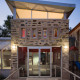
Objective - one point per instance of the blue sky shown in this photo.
(74, 18)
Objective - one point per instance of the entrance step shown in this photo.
(43, 79)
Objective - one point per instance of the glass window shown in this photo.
(39, 14)
(45, 32)
(23, 33)
(52, 15)
(34, 33)
(22, 61)
(23, 13)
(55, 32)
(45, 62)
(6, 59)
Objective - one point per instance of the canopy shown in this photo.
(39, 5)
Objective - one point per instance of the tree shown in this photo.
(7, 27)
(70, 29)
(7, 23)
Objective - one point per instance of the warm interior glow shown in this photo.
(23, 33)
(39, 14)
(55, 32)
(52, 15)
(23, 13)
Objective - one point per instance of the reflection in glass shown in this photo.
(45, 62)
(56, 61)
(33, 62)
(22, 61)
(6, 59)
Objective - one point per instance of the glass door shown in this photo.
(45, 62)
(33, 62)
(39, 61)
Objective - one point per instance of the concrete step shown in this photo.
(43, 78)
(36, 79)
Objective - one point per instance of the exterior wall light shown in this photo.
(13, 47)
(65, 47)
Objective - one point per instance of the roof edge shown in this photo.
(74, 28)
(46, 2)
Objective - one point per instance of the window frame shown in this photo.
(35, 33)
(46, 32)
(21, 32)
(53, 34)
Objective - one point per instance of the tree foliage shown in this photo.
(7, 22)
(7, 27)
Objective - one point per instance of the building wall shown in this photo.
(74, 34)
(50, 24)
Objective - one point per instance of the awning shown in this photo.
(39, 5)
(5, 45)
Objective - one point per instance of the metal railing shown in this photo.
(74, 75)
(10, 76)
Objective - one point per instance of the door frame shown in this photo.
(39, 48)
(50, 56)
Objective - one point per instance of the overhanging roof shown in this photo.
(41, 6)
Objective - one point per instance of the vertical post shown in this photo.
(14, 13)
(31, 14)
(1, 58)
(39, 61)
(74, 77)
(28, 63)
(55, 71)
(65, 16)
(61, 63)
(51, 62)
(47, 15)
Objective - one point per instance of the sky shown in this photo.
(74, 18)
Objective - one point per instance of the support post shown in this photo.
(47, 15)
(1, 58)
(61, 63)
(14, 13)
(65, 16)
(74, 77)
(31, 14)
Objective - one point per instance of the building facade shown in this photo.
(5, 56)
(75, 33)
(40, 39)
(75, 52)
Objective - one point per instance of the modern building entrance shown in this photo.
(38, 61)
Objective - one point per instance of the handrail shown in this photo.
(12, 73)
(74, 75)
(70, 72)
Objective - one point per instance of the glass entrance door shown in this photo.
(33, 62)
(45, 62)
(39, 61)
